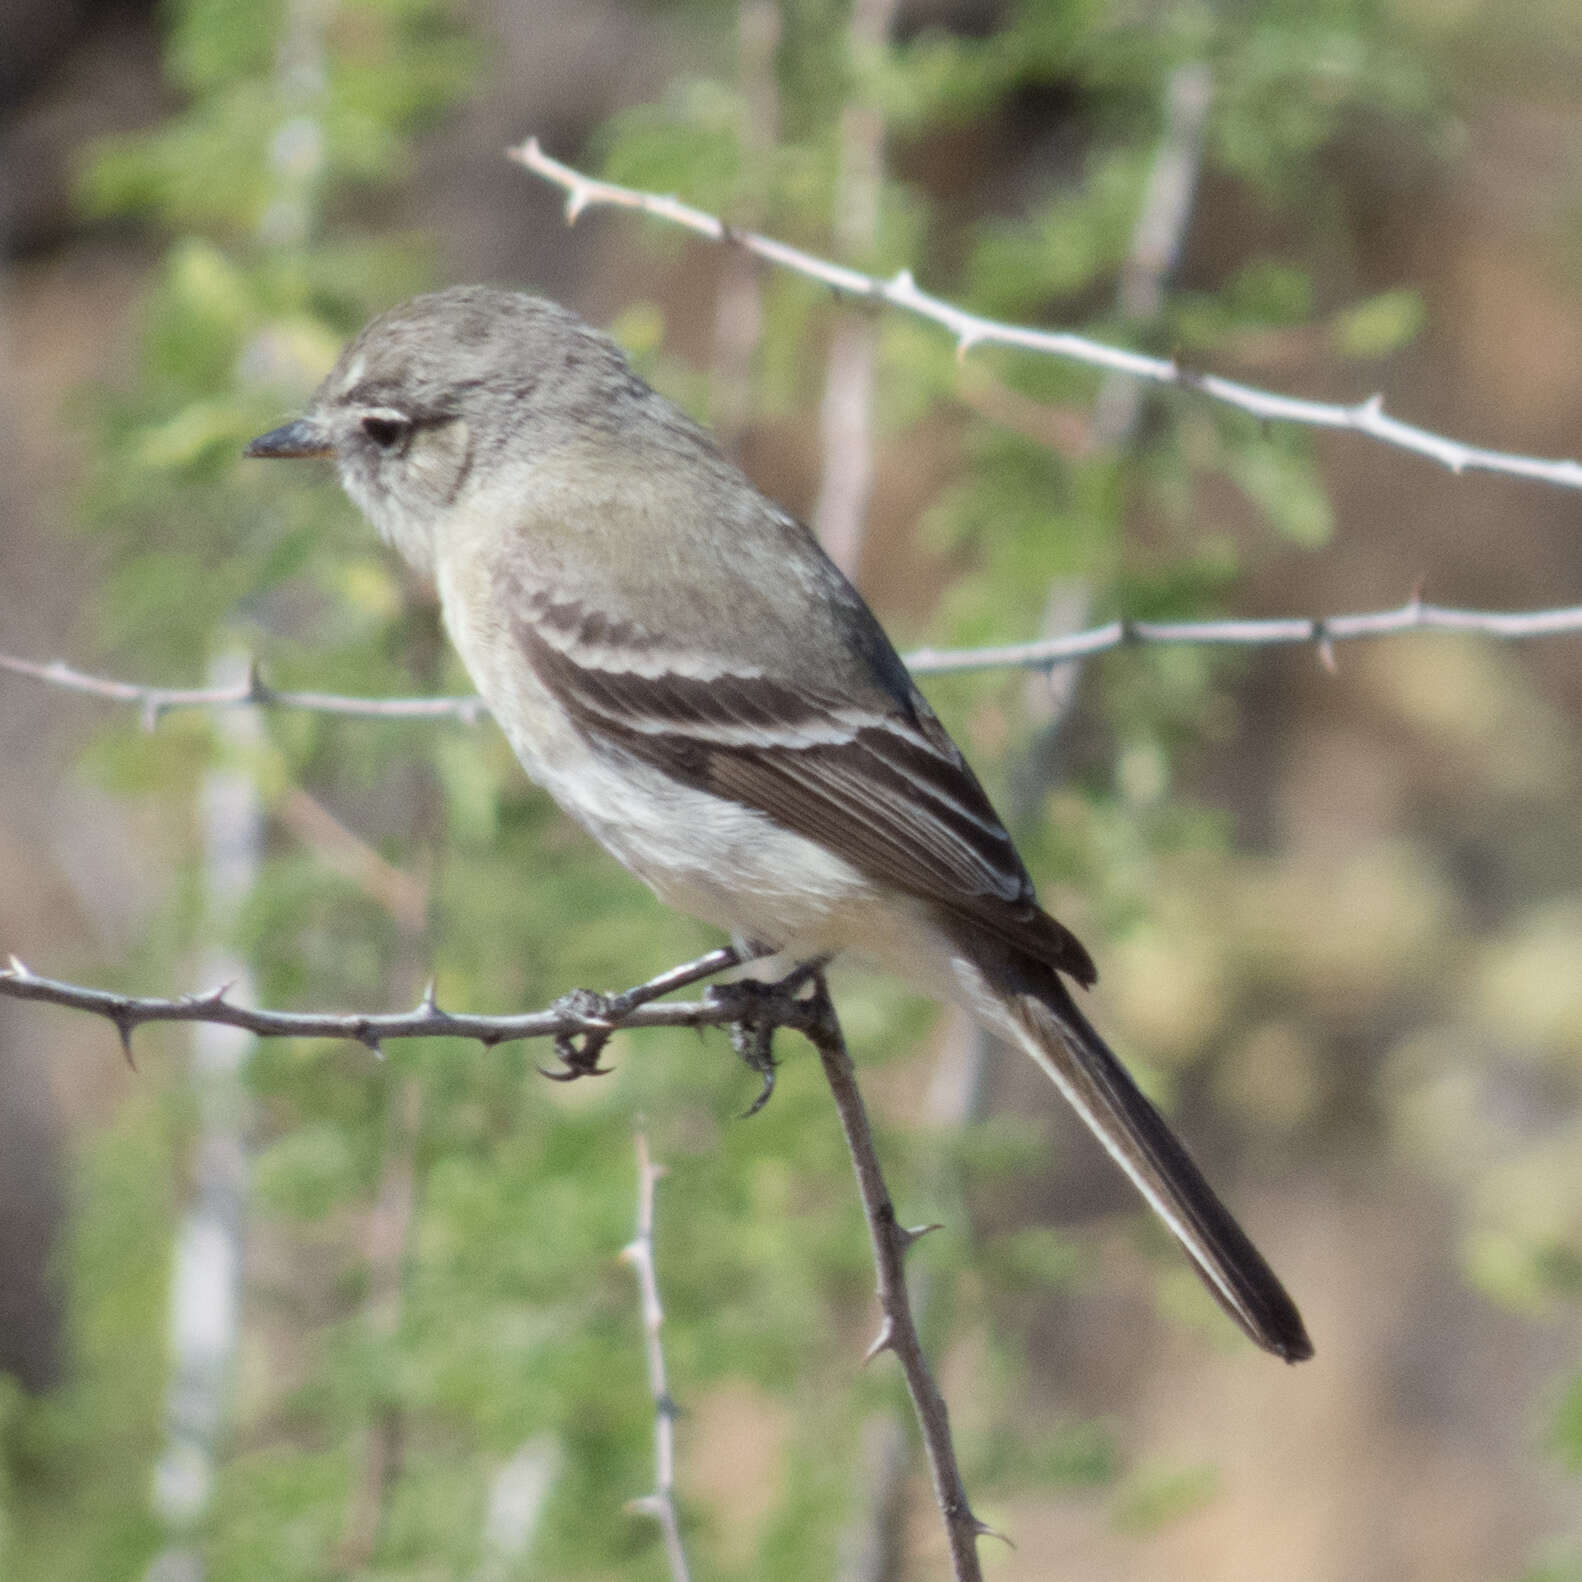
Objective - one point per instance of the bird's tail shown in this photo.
(1040, 1012)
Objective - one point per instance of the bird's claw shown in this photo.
(579, 1052)
(752, 1030)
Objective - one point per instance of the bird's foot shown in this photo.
(579, 1051)
(758, 1008)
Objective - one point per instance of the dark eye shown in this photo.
(386, 429)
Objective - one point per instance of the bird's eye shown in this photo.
(386, 429)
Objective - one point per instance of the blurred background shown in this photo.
(285, 1310)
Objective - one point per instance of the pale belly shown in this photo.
(717, 860)
(713, 859)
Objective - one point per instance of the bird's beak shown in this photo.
(305, 437)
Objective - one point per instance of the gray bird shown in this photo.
(674, 658)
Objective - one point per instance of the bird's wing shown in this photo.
(868, 774)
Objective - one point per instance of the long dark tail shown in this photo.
(1062, 1040)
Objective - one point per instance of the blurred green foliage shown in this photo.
(515, 1318)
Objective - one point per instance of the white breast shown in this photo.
(710, 857)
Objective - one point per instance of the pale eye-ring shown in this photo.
(386, 428)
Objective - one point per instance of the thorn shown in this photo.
(1326, 656)
(903, 281)
(647, 1505)
(907, 1234)
(964, 344)
(1415, 602)
(632, 1252)
(883, 1341)
(1373, 406)
(428, 1004)
(216, 996)
(576, 201)
(15, 968)
(256, 691)
(148, 715)
(123, 1026)
(983, 1530)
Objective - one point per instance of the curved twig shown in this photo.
(971, 329)
(1321, 631)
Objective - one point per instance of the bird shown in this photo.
(675, 659)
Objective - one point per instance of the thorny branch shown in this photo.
(251, 692)
(897, 1327)
(1322, 631)
(971, 329)
(595, 1018)
(661, 1504)
(589, 1017)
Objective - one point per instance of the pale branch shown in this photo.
(898, 1327)
(639, 1252)
(971, 329)
(250, 692)
(1280, 631)
(1044, 654)
(590, 1017)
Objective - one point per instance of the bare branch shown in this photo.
(1045, 654)
(591, 1017)
(253, 692)
(956, 1091)
(1323, 631)
(661, 1504)
(970, 329)
(898, 1328)
(812, 1016)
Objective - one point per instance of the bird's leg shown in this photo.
(579, 1052)
(759, 1008)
